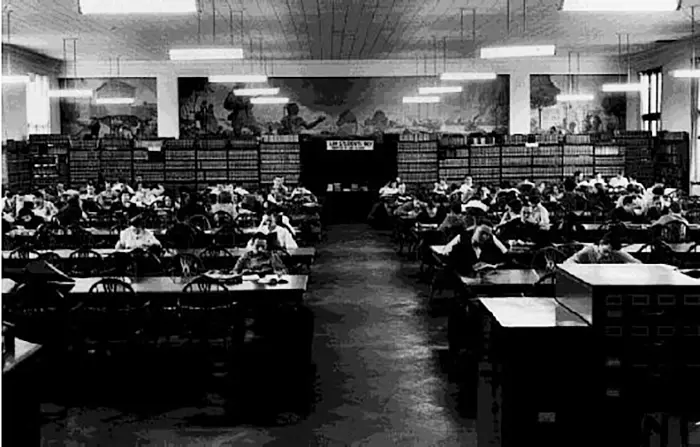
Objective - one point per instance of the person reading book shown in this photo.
(260, 260)
(606, 251)
(476, 250)
(136, 236)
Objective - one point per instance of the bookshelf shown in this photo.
(212, 161)
(417, 159)
(671, 160)
(639, 163)
(516, 162)
(244, 163)
(485, 164)
(547, 163)
(180, 161)
(49, 159)
(19, 166)
(83, 161)
(280, 156)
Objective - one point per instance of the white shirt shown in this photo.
(285, 238)
(619, 182)
(129, 239)
(541, 215)
(475, 204)
(241, 191)
(477, 250)
(47, 211)
(388, 191)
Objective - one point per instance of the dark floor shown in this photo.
(380, 373)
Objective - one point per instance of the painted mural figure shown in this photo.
(241, 115)
(347, 123)
(293, 124)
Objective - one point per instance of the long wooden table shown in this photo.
(155, 286)
(302, 255)
(501, 282)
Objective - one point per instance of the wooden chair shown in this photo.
(547, 258)
(85, 262)
(186, 265)
(674, 232)
(201, 222)
(111, 314)
(52, 258)
(222, 218)
(24, 252)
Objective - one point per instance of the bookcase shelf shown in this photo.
(417, 159)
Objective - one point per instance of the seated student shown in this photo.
(260, 259)
(402, 196)
(540, 214)
(673, 215)
(285, 240)
(26, 217)
(524, 227)
(625, 213)
(225, 204)
(125, 205)
(455, 222)
(606, 251)
(390, 189)
(71, 213)
(409, 209)
(656, 208)
(431, 213)
(441, 187)
(136, 236)
(513, 210)
(43, 208)
(619, 181)
(472, 249)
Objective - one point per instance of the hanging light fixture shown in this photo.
(238, 79)
(121, 7)
(115, 91)
(421, 99)
(269, 100)
(439, 90)
(620, 5)
(71, 93)
(629, 86)
(574, 95)
(516, 51)
(693, 72)
(256, 91)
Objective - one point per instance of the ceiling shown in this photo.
(336, 29)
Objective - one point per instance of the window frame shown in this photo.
(650, 99)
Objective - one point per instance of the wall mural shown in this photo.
(341, 107)
(85, 118)
(606, 113)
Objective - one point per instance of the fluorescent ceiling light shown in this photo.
(115, 101)
(622, 88)
(438, 90)
(238, 79)
(468, 76)
(70, 93)
(578, 97)
(686, 73)
(137, 6)
(15, 79)
(620, 5)
(256, 91)
(269, 100)
(199, 54)
(421, 99)
(518, 51)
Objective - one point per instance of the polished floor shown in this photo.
(379, 379)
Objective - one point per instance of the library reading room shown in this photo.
(350, 223)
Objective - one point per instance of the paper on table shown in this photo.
(251, 278)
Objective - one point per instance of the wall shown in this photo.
(676, 99)
(19, 61)
(167, 74)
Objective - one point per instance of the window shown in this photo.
(38, 105)
(651, 100)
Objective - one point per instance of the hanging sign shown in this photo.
(350, 145)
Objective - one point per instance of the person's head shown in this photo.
(675, 208)
(541, 187)
(658, 191)
(402, 188)
(225, 197)
(60, 187)
(555, 189)
(393, 184)
(38, 199)
(482, 234)
(535, 199)
(468, 181)
(167, 201)
(260, 242)
(569, 185)
(138, 180)
(90, 190)
(621, 174)
(628, 203)
(430, 205)
(609, 243)
(526, 212)
(125, 198)
(271, 221)
(514, 206)
(578, 176)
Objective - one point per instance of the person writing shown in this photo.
(136, 236)
(475, 251)
(270, 225)
(606, 251)
(259, 260)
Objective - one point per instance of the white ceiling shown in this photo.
(336, 29)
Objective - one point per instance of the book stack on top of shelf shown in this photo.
(516, 163)
(416, 158)
(547, 163)
(485, 164)
(671, 160)
(244, 163)
(84, 162)
(639, 163)
(280, 156)
(180, 161)
(578, 157)
(212, 161)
